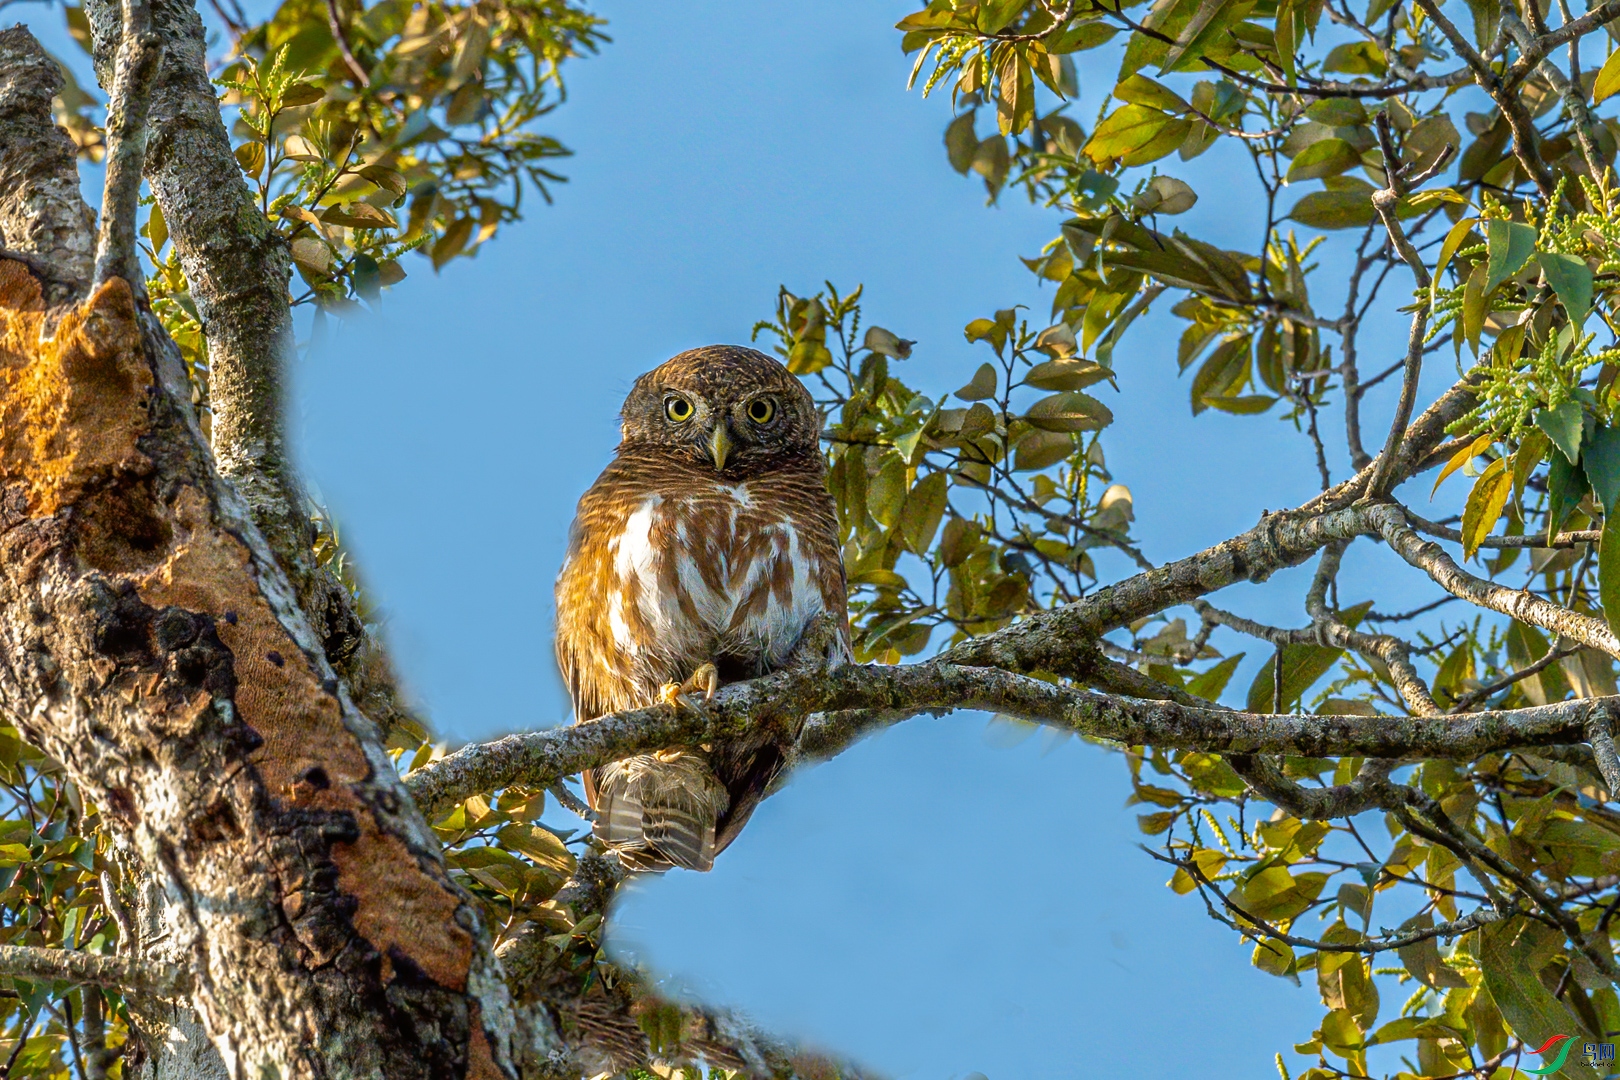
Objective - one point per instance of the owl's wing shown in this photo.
(587, 654)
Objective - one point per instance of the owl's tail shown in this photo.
(655, 811)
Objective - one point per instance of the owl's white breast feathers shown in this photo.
(672, 554)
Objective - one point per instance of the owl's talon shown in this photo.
(705, 678)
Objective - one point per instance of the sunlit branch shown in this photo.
(1390, 521)
(117, 972)
(127, 108)
(847, 702)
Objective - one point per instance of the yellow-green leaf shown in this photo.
(1070, 411)
(983, 384)
(1452, 243)
(1485, 503)
(925, 505)
(1473, 309)
(1461, 458)
(1608, 79)
(1325, 157)
(1274, 957)
(1042, 449)
(1141, 90)
(1609, 570)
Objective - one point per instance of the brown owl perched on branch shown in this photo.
(706, 552)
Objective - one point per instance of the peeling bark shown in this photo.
(151, 643)
(238, 268)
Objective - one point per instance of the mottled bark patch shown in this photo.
(400, 907)
(73, 404)
(163, 599)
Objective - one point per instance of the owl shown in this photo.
(707, 552)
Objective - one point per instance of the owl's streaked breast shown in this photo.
(714, 571)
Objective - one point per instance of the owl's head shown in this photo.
(723, 407)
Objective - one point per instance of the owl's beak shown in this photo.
(720, 446)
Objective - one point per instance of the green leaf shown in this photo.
(1510, 246)
(157, 230)
(1356, 58)
(1454, 240)
(361, 215)
(1608, 79)
(994, 15)
(1564, 426)
(1528, 1006)
(1566, 487)
(1609, 570)
(1571, 278)
(1042, 449)
(1141, 90)
(925, 505)
(1325, 157)
(961, 143)
(1207, 25)
(1209, 684)
(1224, 370)
(1066, 375)
(1334, 210)
(541, 845)
(886, 492)
(1601, 460)
(1165, 195)
(983, 384)
(301, 93)
(1245, 405)
(1170, 267)
(1484, 506)
(1071, 410)
(1274, 957)
(1423, 958)
(387, 179)
(1337, 112)
(1302, 666)
(1136, 135)
(1473, 309)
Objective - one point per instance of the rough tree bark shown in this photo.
(150, 641)
(238, 269)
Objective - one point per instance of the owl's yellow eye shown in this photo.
(761, 410)
(678, 409)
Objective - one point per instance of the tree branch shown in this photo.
(1531, 54)
(115, 972)
(1518, 117)
(856, 699)
(237, 267)
(1390, 521)
(1385, 942)
(42, 214)
(128, 103)
(1562, 540)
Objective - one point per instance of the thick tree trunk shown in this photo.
(150, 641)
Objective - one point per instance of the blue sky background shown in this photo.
(941, 899)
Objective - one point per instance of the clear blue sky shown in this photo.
(934, 902)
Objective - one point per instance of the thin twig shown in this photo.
(335, 20)
(1553, 655)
